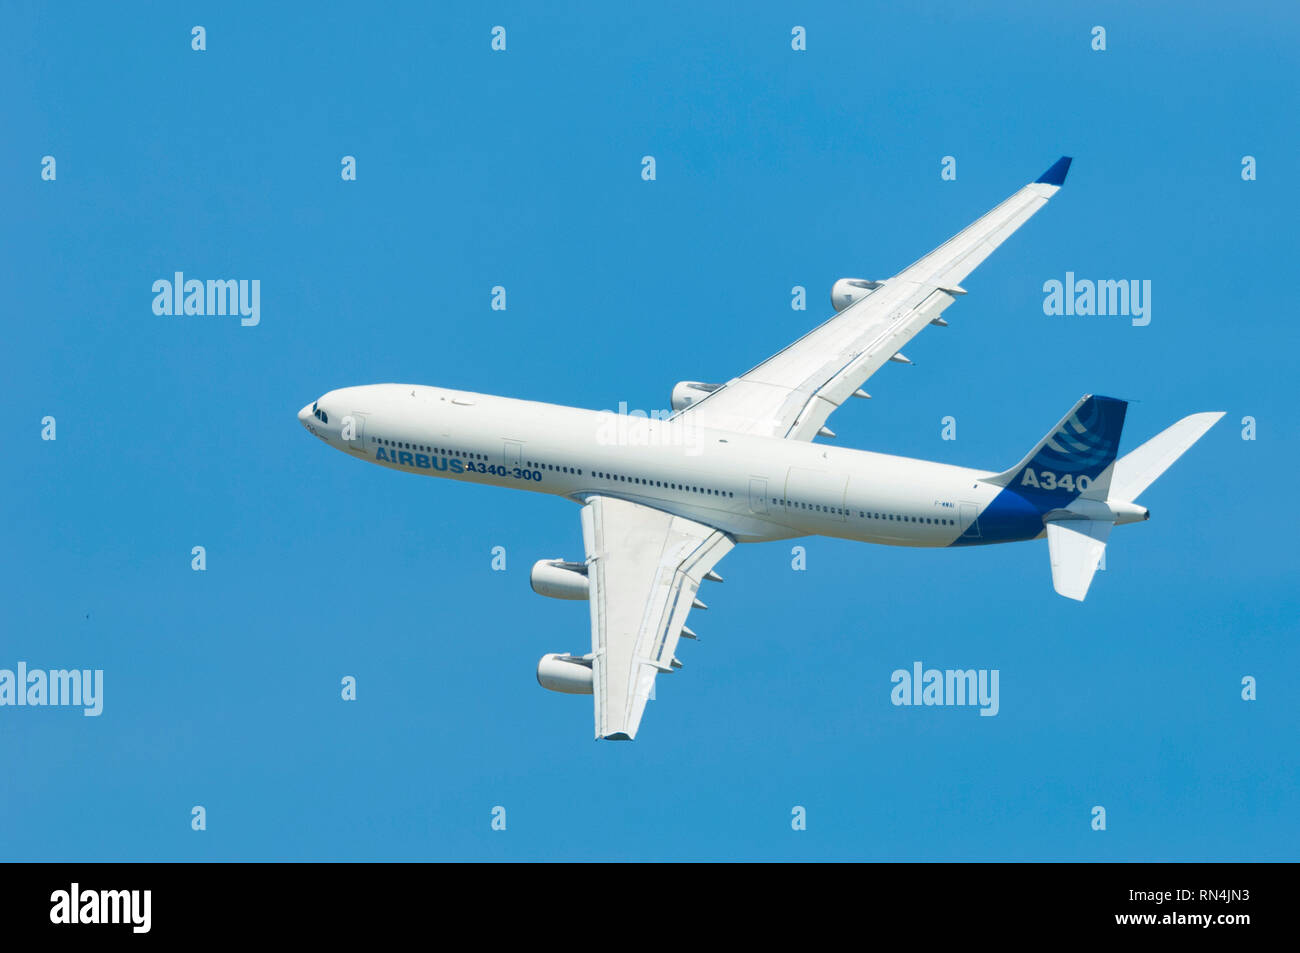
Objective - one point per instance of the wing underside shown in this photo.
(644, 567)
(792, 393)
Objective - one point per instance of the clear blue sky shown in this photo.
(522, 169)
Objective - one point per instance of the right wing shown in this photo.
(644, 567)
(792, 393)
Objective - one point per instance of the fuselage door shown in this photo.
(968, 518)
(352, 430)
(822, 491)
(513, 453)
(757, 495)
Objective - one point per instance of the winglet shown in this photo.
(1056, 174)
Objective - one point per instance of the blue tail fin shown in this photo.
(1074, 459)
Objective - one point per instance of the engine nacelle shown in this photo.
(686, 393)
(557, 672)
(558, 579)
(848, 290)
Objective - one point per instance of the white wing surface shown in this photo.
(644, 567)
(792, 393)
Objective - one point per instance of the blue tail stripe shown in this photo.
(1068, 461)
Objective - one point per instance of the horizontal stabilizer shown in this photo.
(1136, 471)
(1076, 547)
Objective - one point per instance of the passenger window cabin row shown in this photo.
(664, 484)
(422, 448)
(862, 514)
(668, 485)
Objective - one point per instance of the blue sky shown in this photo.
(775, 168)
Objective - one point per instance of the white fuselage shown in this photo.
(753, 488)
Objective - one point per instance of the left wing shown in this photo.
(792, 393)
(644, 567)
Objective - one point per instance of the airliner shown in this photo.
(664, 499)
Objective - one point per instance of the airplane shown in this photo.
(665, 498)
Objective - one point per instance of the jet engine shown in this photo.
(558, 579)
(848, 290)
(686, 393)
(570, 674)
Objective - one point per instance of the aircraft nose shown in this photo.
(304, 414)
